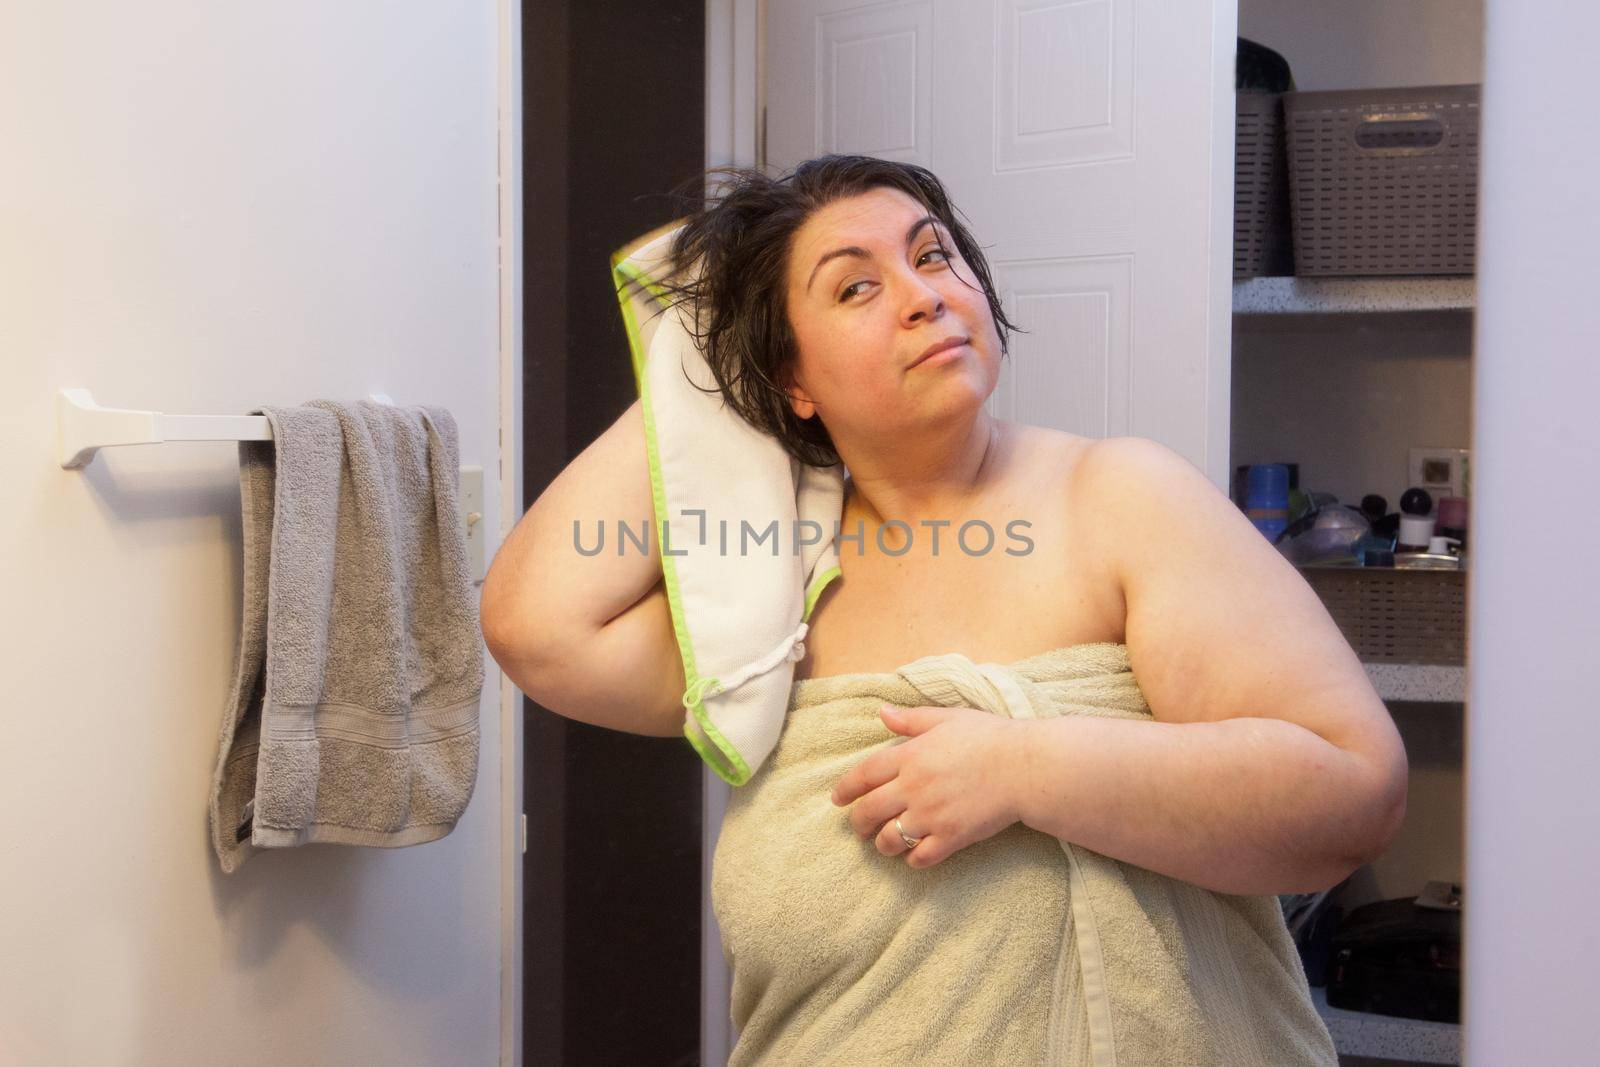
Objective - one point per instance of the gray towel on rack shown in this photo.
(354, 712)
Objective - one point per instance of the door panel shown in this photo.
(1089, 143)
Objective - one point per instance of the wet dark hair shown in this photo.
(740, 240)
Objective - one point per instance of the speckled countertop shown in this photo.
(1388, 1037)
(1418, 681)
(1289, 296)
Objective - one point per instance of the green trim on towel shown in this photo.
(724, 758)
(816, 589)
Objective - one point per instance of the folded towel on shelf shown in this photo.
(740, 600)
(1020, 948)
(353, 717)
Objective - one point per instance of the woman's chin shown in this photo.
(961, 398)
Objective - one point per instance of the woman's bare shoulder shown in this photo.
(1102, 484)
(1127, 466)
(1112, 488)
(1061, 499)
(1044, 450)
(1067, 469)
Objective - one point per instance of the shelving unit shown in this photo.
(1343, 375)
(1359, 298)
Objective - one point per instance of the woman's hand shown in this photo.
(949, 783)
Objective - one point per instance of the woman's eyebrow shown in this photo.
(857, 252)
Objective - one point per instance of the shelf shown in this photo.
(1359, 1033)
(1321, 296)
(1418, 681)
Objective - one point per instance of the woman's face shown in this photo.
(869, 292)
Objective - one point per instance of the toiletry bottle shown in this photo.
(1453, 518)
(1267, 498)
(1416, 521)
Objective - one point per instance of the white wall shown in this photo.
(1357, 44)
(203, 208)
(1532, 730)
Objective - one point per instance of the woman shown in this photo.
(847, 311)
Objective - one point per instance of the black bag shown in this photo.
(1394, 958)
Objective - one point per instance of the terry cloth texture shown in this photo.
(353, 717)
(1020, 949)
(752, 529)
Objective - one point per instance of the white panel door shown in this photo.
(1090, 144)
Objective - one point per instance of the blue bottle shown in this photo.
(1266, 498)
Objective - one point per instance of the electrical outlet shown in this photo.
(1441, 471)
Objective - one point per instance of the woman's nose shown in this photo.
(923, 303)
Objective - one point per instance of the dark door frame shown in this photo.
(613, 118)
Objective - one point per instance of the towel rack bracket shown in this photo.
(83, 427)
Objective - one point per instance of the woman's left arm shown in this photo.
(1272, 765)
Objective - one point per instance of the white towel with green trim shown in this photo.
(747, 532)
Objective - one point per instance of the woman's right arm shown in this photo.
(589, 636)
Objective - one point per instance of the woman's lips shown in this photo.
(941, 349)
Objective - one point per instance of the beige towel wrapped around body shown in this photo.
(1020, 949)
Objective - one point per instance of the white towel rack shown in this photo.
(83, 427)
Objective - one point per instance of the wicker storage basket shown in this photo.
(1396, 616)
(1384, 181)
(1261, 239)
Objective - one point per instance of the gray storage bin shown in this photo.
(1260, 187)
(1384, 181)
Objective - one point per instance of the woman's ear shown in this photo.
(799, 400)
